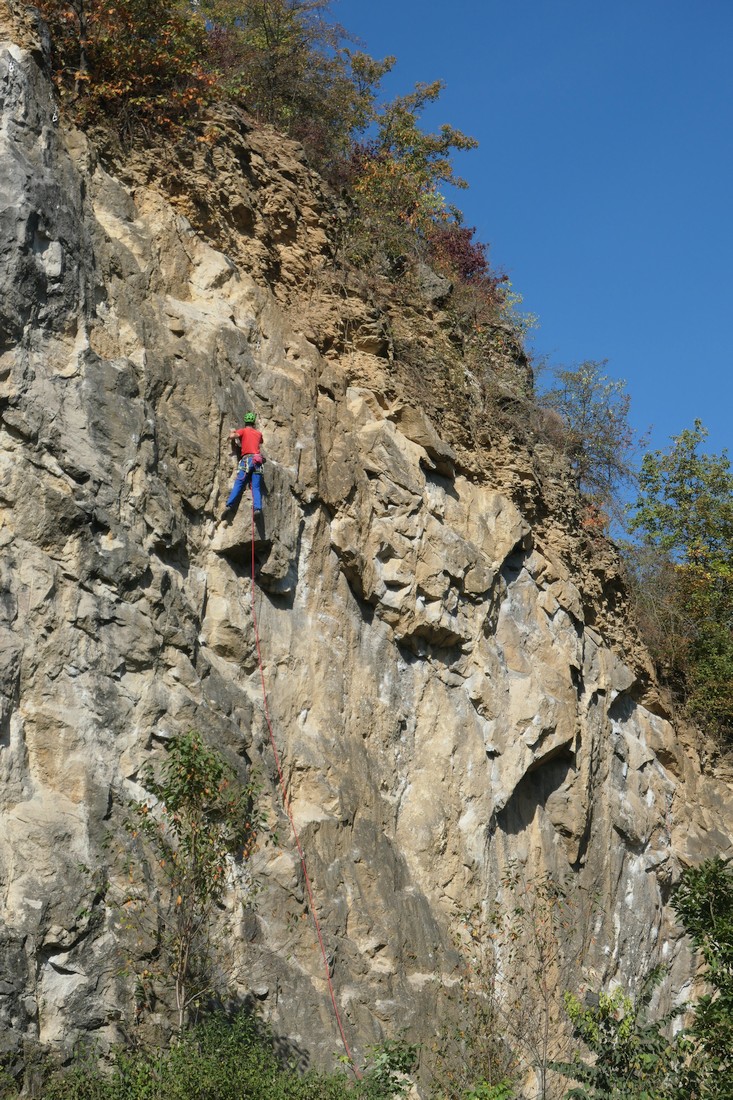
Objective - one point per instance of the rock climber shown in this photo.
(249, 442)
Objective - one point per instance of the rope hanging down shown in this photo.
(286, 804)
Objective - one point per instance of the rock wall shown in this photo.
(446, 700)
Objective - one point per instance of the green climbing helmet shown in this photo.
(249, 418)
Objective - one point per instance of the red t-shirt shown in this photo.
(250, 441)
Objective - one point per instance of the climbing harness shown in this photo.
(249, 463)
(288, 810)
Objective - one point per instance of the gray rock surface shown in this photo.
(444, 707)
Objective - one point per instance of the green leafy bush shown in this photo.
(234, 1057)
(221, 1059)
(198, 819)
(632, 1059)
(484, 1091)
(387, 1069)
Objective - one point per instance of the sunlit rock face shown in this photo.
(447, 699)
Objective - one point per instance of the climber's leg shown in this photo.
(239, 483)
(256, 490)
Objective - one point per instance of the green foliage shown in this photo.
(704, 903)
(387, 1068)
(485, 1091)
(221, 1059)
(685, 504)
(8, 1087)
(684, 518)
(599, 439)
(632, 1059)
(199, 820)
(518, 319)
(226, 1058)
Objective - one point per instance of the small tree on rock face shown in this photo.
(539, 935)
(198, 819)
(600, 441)
(470, 1057)
(633, 1058)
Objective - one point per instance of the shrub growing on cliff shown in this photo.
(220, 1059)
(128, 62)
(291, 67)
(471, 1059)
(199, 817)
(632, 1058)
(140, 66)
(540, 933)
(226, 1058)
(479, 295)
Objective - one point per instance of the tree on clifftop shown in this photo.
(142, 66)
(399, 172)
(599, 440)
(290, 66)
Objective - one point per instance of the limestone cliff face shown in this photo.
(451, 685)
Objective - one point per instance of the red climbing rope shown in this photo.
(286, 804)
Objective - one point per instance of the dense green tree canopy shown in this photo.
(685, 502)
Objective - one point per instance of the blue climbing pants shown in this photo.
(247, 471)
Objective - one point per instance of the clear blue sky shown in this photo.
(603, 181)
